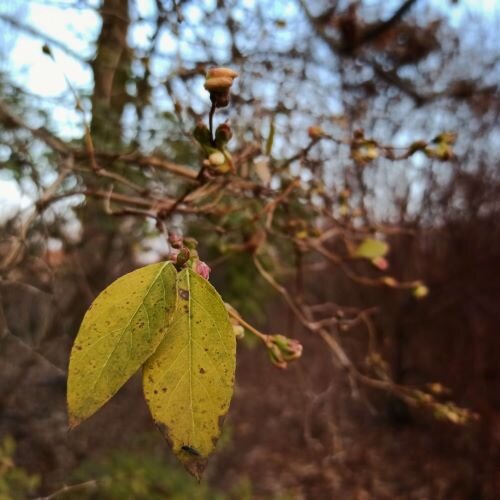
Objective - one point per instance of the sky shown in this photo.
(75, 27)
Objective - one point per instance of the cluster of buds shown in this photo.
(184, 254)
(216, 157)
(282, 350)
(218, 83)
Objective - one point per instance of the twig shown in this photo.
(88, 486)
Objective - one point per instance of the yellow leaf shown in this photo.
(371, 248)
(188, 382)
(122, 328)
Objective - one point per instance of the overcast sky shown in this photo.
(24, 61)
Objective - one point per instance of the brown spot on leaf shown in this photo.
(183, 294)
(202, 371)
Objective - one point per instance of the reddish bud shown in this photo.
(381, 263)
(283, 350)
(182, 256)
(175, 240)
(315, 132)
(202, 269)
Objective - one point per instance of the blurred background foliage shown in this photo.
(130, 75)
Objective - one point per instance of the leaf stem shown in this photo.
(249, 327)
(211, 123)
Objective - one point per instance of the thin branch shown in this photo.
(382, 27)
(42, 36)
(87, 486)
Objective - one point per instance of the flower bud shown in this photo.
(202, 134)
(218, 83)
(381, 263)
(182, 256)
(216, 159)
(175, 240)
(315, 132)
(283, 350)
(276, 357)
(223, 135)
(239, 331)
(202, 269)
(420, 291)
(222, 72)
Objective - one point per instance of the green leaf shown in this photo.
(188, 382)
(122, 328)
(371, 249)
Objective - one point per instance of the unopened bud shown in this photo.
(175, 240)
(202, 134)
(222, 72)
(239, 331)
(216, 159)
(420, 291)
(315, 132)
(223, 135)
(381, 263)
(202, 269)
(276, 356)
(182, 256)
(218, 84)
(283, 350)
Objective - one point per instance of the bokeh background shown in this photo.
(400, 70)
